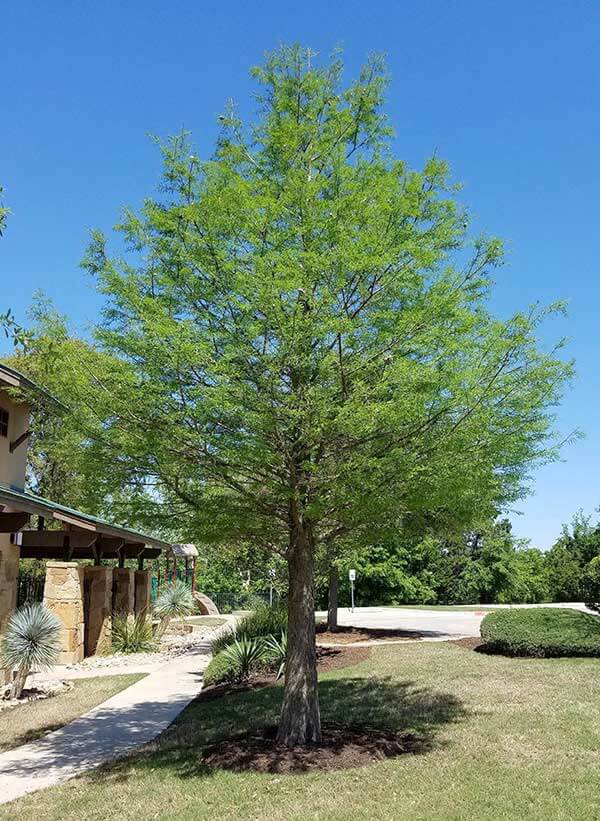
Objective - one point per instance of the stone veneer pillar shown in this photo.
(98, 598)
(123, 603)
(63, 594)
(9, 573)
(143, 584)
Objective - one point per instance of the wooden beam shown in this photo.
(55, 539)
(11, 522)
(19, 441)
(74, 522)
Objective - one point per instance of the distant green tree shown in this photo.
(572, 563)
(565, 575)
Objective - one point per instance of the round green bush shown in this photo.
(542, 632)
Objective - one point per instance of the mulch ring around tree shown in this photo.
(341, 747)
(328, 658)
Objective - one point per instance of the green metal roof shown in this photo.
(37, 505)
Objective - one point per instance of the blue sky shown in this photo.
(507, 92)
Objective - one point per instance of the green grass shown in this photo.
(501, 739)
(542, 632)
(27, 722)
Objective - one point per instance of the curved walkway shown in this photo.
(131, 718)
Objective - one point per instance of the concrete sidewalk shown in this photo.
(130, 718)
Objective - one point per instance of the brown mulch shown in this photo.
(328, 658)
(334, 658)
(341, 747)
(349, 635)
(473, 643)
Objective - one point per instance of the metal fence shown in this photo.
(30, 589)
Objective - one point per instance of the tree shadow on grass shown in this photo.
(373, 706)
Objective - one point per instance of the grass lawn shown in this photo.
(499, 738)
(30, 721)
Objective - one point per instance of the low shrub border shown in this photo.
(543, 632)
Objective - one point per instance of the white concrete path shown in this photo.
(130, 718)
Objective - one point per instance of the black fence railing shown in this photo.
(30, 589)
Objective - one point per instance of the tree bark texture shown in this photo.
(300, 721)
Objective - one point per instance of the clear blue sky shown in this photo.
(508, 92)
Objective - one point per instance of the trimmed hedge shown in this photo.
(542, 632)
(264, 621)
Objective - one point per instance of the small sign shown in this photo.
(352, 575)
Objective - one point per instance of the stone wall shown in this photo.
(143, 582)
(63, 594)
(98, 599)
(9, 572)
(123, 603)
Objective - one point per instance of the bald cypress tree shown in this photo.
(306, 352)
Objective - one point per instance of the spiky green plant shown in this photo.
(264, 621)
(132, 635)
(31, 641)
(174, 602)
(276, 651)
(245, 656)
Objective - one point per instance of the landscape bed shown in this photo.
(494, 737)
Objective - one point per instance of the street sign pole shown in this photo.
(352, 577)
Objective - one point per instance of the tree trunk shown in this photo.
(18, 683)
(332, 601)
(300, 721)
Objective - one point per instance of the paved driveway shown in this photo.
(434, 623)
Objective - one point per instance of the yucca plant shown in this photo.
(132, 635)
(174, 602)
(245, 656)
(263, 622)
(276, 651)
(31, 641)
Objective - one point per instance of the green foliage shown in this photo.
(276, 652)
(591, 582)
(298, 317)
(264, 621)
(31, 640)
(542, 632)
(132, 635)
(220, 669)
(244, 656)
(174, 602)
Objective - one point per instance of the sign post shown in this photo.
(352, 577)
(271, 578)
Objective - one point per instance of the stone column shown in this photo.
(143, 581)
(9, 572)
(63, 594)
(98, 597)
(123, 603)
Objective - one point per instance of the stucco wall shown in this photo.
(13, 465)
